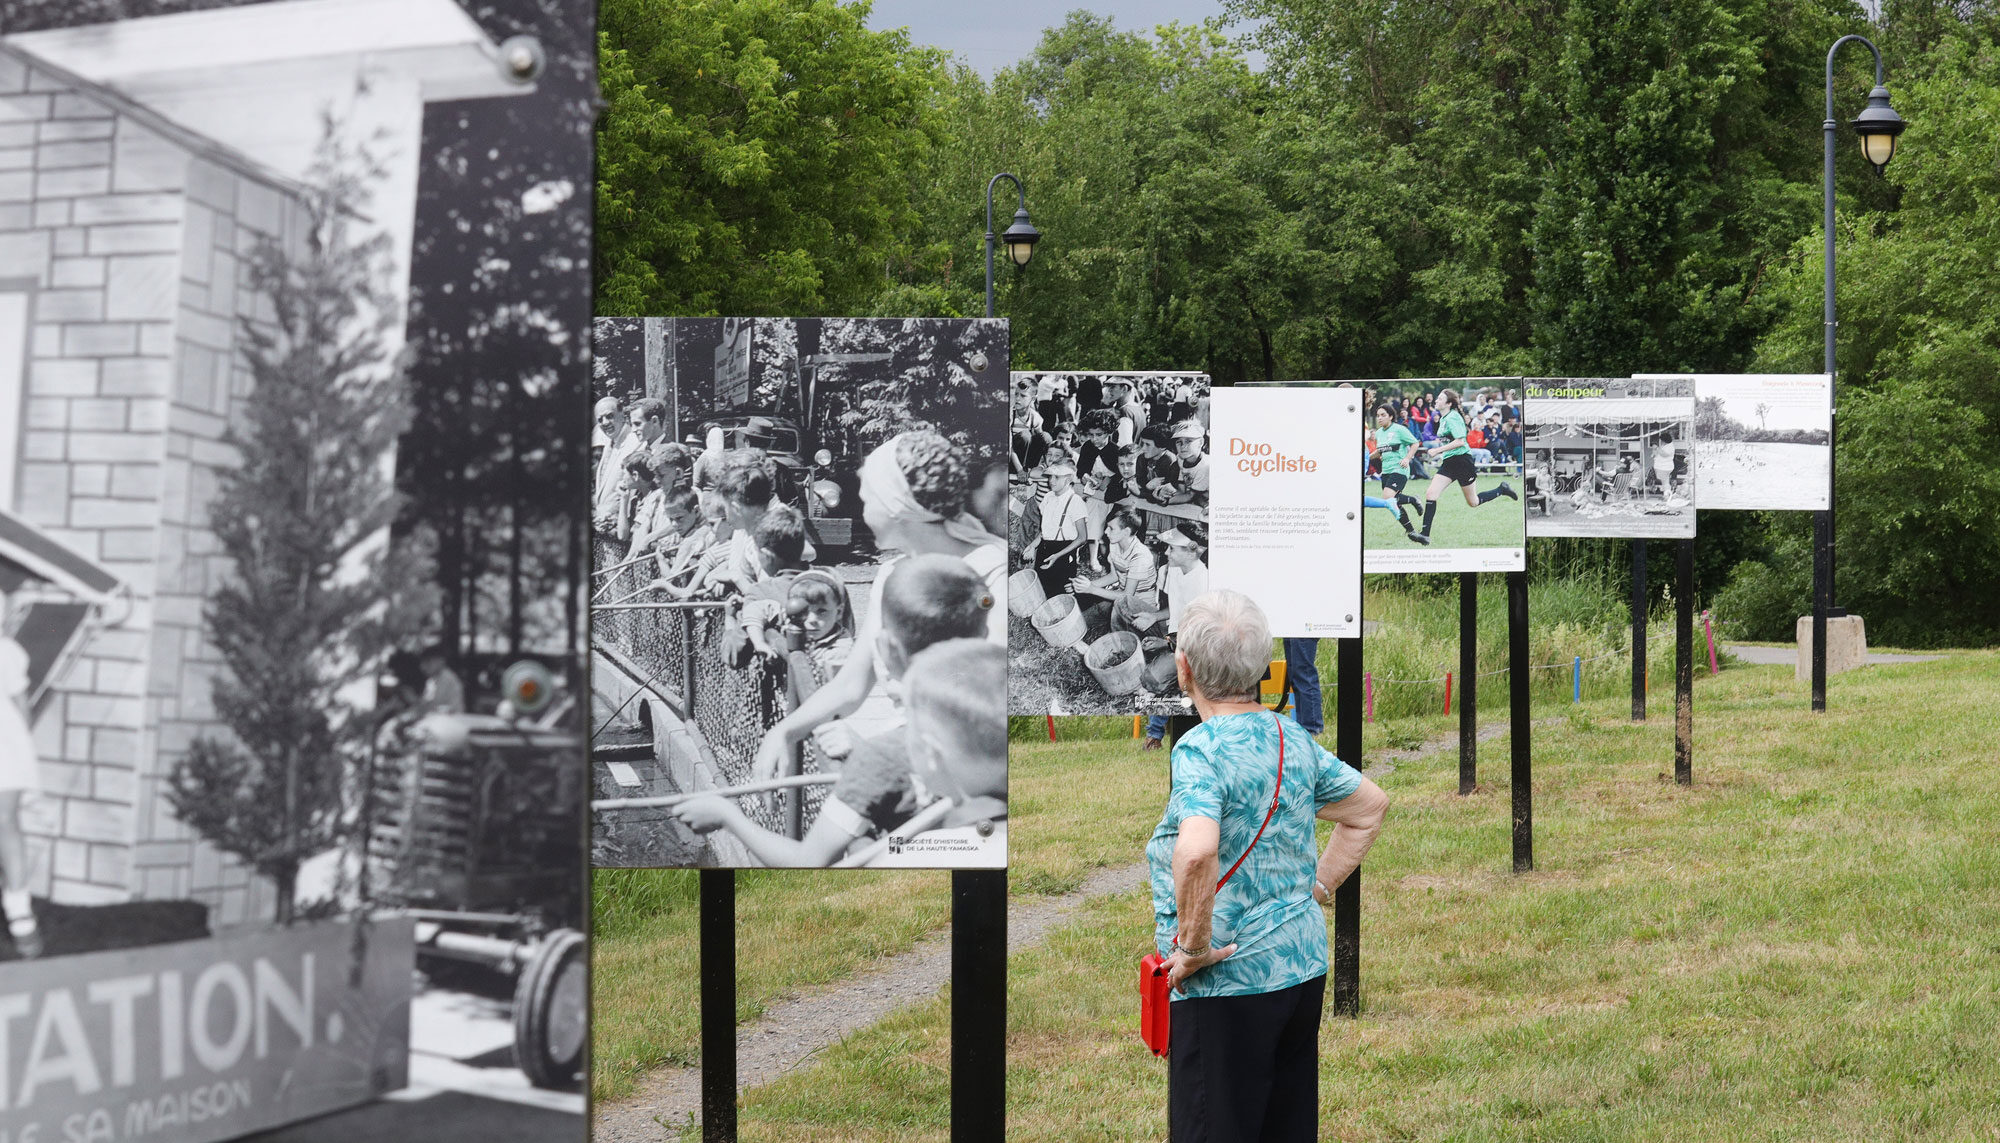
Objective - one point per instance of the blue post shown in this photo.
(1576, 679)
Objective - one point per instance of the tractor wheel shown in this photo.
(551, 1011)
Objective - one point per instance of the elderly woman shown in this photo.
(1248, 962)
(915, 494)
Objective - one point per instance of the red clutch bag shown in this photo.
(1153, 1003)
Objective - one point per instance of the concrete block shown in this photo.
(78, 305)
(157, 853)
(17, 186)
(212, 185)
(60, 378)
(1846, 645)
(45, 446)
(113, 711)
(154, 207)
(74, 272)
(143, 161)
(58, 154)
(24, 108)
(91, 512)
(259, 207)
(100, 339)
(51, 214)
(110, 864)
(156, 339)
(134, 544)
(98, 414)
(217, 333)
(71, 240)
(72, 859)
(13, 75)
(26, 253)
(98, 821)
(114, 783)
(74, 106)
(14, 158)
(58, 131)
(72, 182)
(76, 739)
(44, 484)
(135, 481)
(143, 288)
(113, 448)
(65, 779)
(136, 238)
(90, 479)
(163, 884)
(147, 417)
(86, 893)
(19, 137)
(48, 412)
(137, 376)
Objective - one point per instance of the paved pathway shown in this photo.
(1789, 656)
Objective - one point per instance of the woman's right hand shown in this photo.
(1180, 966)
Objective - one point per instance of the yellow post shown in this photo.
(1136, 721)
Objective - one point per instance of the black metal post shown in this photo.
(1638, 631)
(1468, 671)
(1684, 665)
(1347, 896)
(718, 1006)
(979, 1005)
(1521, 774)
(1823, 522)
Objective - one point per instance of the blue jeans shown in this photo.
(1302, 674)
(1156, 726)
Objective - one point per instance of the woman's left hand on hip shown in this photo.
(1180, 966)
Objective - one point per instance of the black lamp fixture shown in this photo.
(1020, 238)
(1878, 125)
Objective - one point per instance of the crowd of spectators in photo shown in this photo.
(698, 522)
(1492, 418)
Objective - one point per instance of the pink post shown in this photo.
(1447, 692)
(1052, 726)
(1708, 625)
(1368, 685)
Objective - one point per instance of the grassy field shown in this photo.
(1499, 523)
(1801, 946)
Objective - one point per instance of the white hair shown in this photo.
(1227, 643)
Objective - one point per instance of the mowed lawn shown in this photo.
(1804, 945)
(1499, 522)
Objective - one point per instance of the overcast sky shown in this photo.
(990, 36)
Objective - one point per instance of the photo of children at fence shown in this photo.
(1103, 468)
(749, 690)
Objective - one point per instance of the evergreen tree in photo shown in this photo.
(317, 594)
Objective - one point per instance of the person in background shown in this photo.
(646, 423)
(605, 431)
(956, 693)
(444, 692)
(1065, 527)
(1246, 964)
(1186, 577)
(20, 775)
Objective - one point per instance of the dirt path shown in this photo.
(790, 1035)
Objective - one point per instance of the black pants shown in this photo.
(1246, 1068)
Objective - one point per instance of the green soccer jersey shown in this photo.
(1453, 432)
(1393, 445)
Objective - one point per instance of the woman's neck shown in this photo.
(1207, 709)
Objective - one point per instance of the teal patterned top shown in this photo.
(1225, 770)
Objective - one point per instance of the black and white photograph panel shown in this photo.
(799, 597)
(294, 304)
(1444, 482)
(1610, 457)
(1765, 440)
(1108, 537)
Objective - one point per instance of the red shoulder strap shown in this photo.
(1267, 814)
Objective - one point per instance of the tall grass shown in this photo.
(1575, 612)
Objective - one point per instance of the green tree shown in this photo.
(317, 594)
(752, 154)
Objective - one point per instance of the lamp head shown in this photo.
(1021, 238)
(1878, 125)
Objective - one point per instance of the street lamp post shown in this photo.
(1878, 125)
(1020, 238)
(979, 896)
